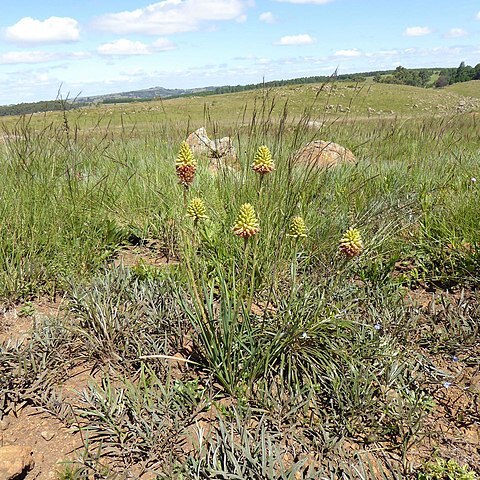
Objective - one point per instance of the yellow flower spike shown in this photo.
(351, 244)
(185, 165)
(196, 209)
(247, 223)
(297, 228)
(185, 155)
(263, 162)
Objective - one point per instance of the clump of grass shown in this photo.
(140, 421)
(31, 370)
(121, 316)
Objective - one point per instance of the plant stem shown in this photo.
(293, 270)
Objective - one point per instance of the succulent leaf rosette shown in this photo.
(247, 224)
(263, 162)
(351, 244)
(185, 165)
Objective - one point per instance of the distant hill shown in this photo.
(156, 93)
(145, 94)
(401, 76)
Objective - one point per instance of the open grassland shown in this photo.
(174, 349)
(467, 89)
(332, 100)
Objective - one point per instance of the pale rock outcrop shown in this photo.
(324, 154)
(220, 148)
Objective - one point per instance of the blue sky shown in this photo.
(93, 47)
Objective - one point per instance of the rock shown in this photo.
(15, 461)
(474, 384)
(221, 148)
(4, 423)
(315, 124)
(199, 142)
(324, 154)
(47, 435)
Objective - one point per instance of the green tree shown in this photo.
(464, 73)
(476, 72)
(442, 81)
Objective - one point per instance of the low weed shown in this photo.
(446, 470)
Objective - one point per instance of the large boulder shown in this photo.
(324, 154)
(221, 148)
(199, 142)
(15, 462)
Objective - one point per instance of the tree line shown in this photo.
(423, 77)
(463, 73)
(36, 107)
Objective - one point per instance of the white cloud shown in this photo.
(419, 57)
(125, 47)
(162, 45)
(52, 30)
(417, 31)
(478, 16)
(267, 17)
(312, 2)
(353, 52)
(303, 39)
(13, 58)
(81, 55)
(456, 33)
(382, 53)
(172, 16)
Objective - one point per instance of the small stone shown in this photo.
(47, 435)
(474, 386)
(4, 423)
(15, 461)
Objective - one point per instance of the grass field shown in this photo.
(467, 89)
(336, 100)
(157, 345)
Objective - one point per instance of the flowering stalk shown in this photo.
(247, 226)
(297, 231)
(263, 162)
(298, 228)
(196, 210)
(185, 166)
(351, 244)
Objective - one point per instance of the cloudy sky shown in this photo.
(91, 47)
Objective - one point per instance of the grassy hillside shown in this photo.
(336, 99)
(322, 102)
(467, 89)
